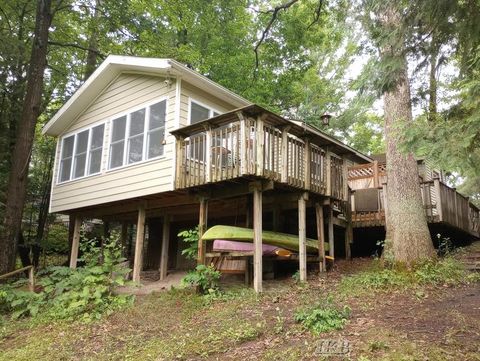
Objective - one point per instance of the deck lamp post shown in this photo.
(325, 118)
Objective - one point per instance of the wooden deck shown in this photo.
(442, 203)
(237, 145)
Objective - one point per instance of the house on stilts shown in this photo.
(154, 147)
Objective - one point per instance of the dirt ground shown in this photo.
(427, 323)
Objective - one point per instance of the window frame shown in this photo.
(211, 110)
(75, 134)
(126, 138)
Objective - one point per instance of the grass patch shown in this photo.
(323, 318)
(445, 271)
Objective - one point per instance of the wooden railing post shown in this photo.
(179, 149)
(328, 161)
(375, 174)
(260, 145)
(284, 170)
(307, 164)
(208, 154)
(244, 138)
(438, 193)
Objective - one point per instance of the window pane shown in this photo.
(95, 161)
(198, 113)
(155, 146)
(65, 167)
(137, 122)
(79, 170)
(82, 142)
(67, 147)
(135, 149)
(118, 131)
(97, 137)
(157, 115)
(116, 155)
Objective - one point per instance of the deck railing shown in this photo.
(441, 203)
(255, 147)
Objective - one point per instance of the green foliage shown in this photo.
(204, 277)
(447, 270)
(86, 292)
(57, 239)
(190, 237)
(323, 317)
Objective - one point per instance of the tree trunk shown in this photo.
(432, 89)
(17, 182)
(408, 238)
(92, 53)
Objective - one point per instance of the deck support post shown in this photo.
(138, 257)
(165, 244)
(202, 227)
(320, 236)
(302, 238)
(257, 238)
(331, 240)
(75, 242)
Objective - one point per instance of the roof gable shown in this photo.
(112, 67)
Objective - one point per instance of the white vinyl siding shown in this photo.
(128, 92)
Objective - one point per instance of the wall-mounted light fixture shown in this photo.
(325, 118)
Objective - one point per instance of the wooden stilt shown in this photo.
(165, 243)
(138, 258)
(257, 235)
(302, 237)
(202, 225)
(331, 245)
(348, 240)
(320, 236)
(75, 242)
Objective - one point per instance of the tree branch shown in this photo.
(77, 46)
(265, 32)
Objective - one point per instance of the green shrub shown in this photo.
(86, 292)
(323, 318)
(190, 237)
(204, 277)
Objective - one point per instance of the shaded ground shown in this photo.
(427, 323)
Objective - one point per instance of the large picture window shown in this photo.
(81, 153)
(138, 135)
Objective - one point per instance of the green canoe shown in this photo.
(282, 240)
